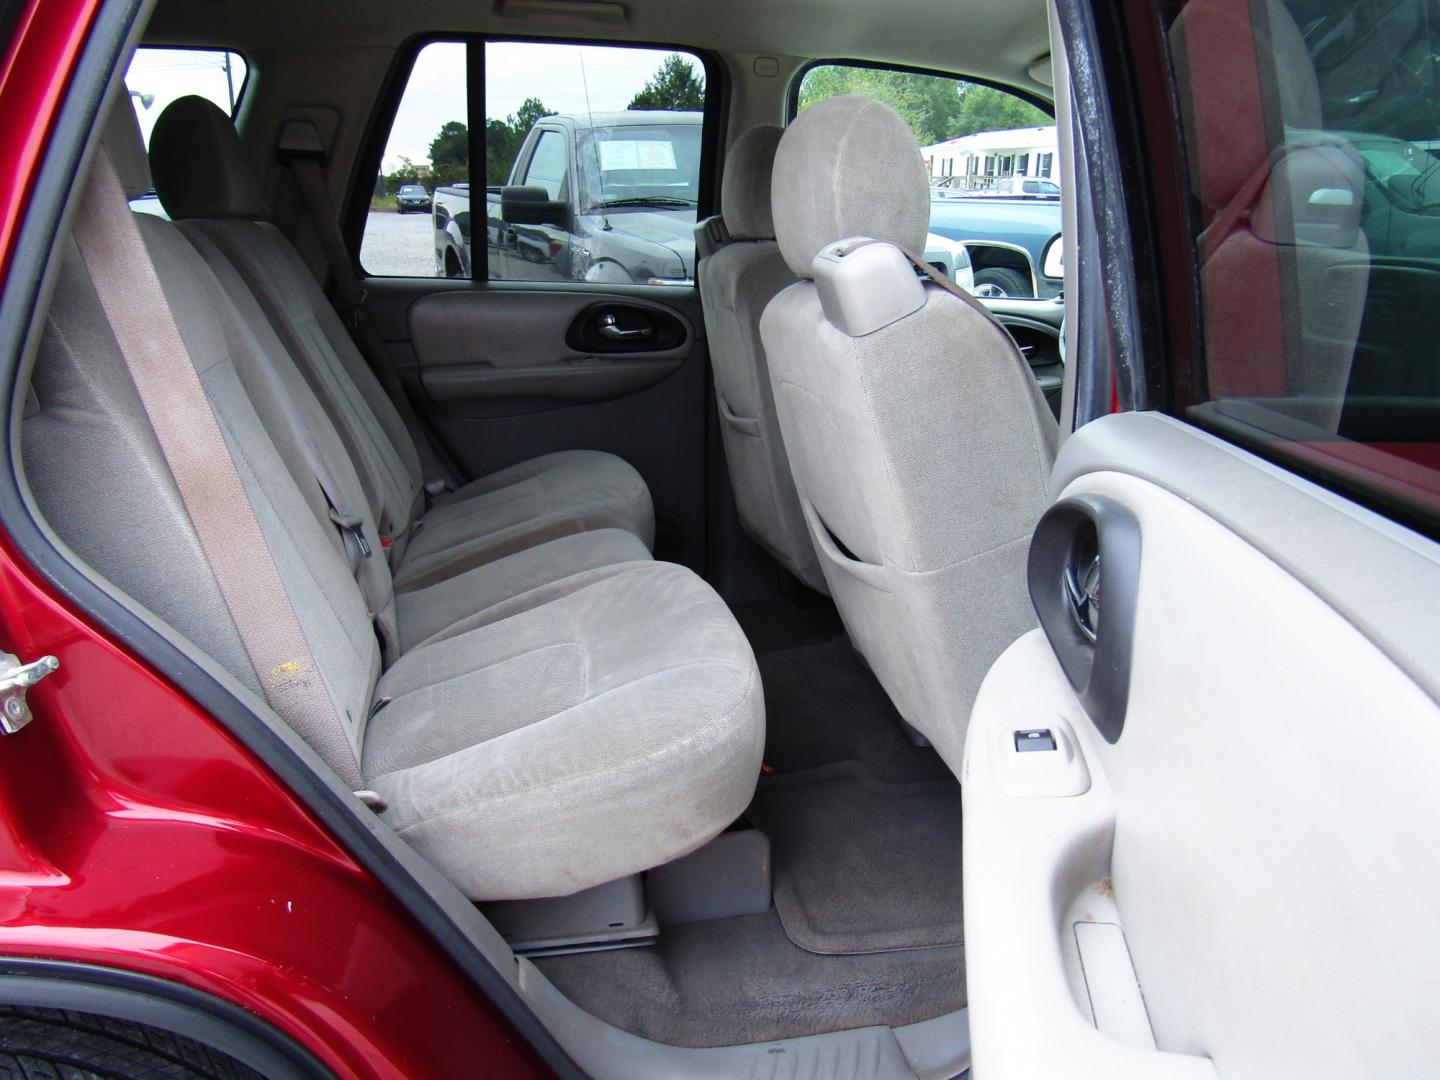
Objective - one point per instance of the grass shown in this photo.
(380, 203)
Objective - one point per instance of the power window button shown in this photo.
(1034, 739)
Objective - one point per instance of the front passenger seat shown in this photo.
(920, 443)
(736, 282)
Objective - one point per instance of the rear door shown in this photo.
(1200, 798)
(578, 325)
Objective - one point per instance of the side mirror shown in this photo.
(532, 206)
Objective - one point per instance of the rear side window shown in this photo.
(994, 211)
(157, 76)
(1312, 135)
(591, 169)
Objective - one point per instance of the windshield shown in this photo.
(644, 165)
(413, 189)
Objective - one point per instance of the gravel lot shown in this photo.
(399, 245)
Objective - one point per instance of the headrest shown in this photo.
(745, 190)
(848, 167)
(1234, 66)
(121, 140)
(1315, 194)
(199, 165)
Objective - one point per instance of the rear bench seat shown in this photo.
(203, 179)
(545, 721)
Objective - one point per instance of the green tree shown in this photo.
(404, 173)
(935, 107)
(674, 87)
(984, 108)
(503, 138)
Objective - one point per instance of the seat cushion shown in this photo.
(612, 729)
(527, 504)
(509, 584)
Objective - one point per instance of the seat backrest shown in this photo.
(98, 473)
(203, 180)
(737, 280)
(920, 443)
(1282, 206)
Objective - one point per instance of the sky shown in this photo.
(514, 71)
(166, 74)
(435, 93)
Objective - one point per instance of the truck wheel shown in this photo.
(1000, 281)
(43, 1044)
(452, 265)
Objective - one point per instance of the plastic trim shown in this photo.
(1099, 670)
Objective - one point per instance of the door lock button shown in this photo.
(1034, 739)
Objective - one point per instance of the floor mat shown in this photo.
(823, 706)
(741, 980)
(862, 865)
(744, 980)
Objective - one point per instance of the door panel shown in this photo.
(484, 354)
(504, 373)
(1036, 326)
(1243, 885)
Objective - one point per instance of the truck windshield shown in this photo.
(641, 165)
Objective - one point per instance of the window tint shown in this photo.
(592, 167)
(157, 76)
(983, 148)
(1311, 134)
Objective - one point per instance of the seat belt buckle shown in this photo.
(354, 527)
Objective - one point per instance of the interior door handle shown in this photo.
(611, 328)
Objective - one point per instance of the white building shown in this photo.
(976, 161)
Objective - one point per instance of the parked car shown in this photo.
(575, 208)
(1014, 242)
(1021, 186)
(412, 198)
(604, 197)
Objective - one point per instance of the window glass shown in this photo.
(592, 163)
(547, 164)
(592, 167)
(979, 145)
(157, 76)
(1312, 134)
(427, 154)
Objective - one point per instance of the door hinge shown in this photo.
(15, 679)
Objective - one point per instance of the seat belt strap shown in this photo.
(929, 272)
(210, 487)
(310, 180)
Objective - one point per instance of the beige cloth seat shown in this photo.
(587, 714)
(920, 443)
(203, 180)
(736, 282)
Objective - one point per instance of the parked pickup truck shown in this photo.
(607, 198)
(1014, 242)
